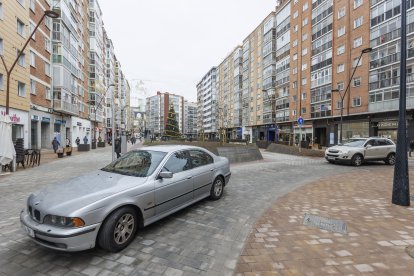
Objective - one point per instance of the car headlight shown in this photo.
(63, 221)
(345, 151)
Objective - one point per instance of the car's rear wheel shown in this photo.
(118, 230)
(217, 188)
(357, 160)
(390, 160)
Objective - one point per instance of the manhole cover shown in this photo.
(410, 250)
(332, 225)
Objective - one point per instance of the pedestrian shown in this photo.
(85, 140)
(55, 144)
(77, 141)
(67, 142)
(118, 147)
(411, 146)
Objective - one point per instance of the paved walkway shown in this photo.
(378, 231)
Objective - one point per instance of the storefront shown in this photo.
(354, 129)
(388, 129)
(20, 126)
(303, 133)
(285, 134)
(80, 128)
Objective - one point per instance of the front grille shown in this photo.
(333, 151)
(333, 155)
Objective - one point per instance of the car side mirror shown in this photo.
(368, 146)
(165, 175)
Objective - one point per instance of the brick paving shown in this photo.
(376, 241)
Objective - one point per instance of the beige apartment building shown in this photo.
(14, 31)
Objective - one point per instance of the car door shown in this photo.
(371, 149)
(203, 172)
(178, 190)
(383, 148)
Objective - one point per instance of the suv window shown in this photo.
(372, 142)
(383, 142)
(200, 158)
(179, 161)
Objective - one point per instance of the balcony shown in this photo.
(99, 117)
(389, 105)
(65, 107)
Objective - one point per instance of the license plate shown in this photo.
(29, 231)
(331, 158)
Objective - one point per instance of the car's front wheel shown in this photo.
(217, 188)
(390, 160)
(357, 160)
(118, 230)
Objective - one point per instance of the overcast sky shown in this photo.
(171, 44)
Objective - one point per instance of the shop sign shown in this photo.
(45, 120)
(35, 118)
(60, 122)
(88, 129)
(388, 125)
(13, 117)
(78, 123)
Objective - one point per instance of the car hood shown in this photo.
(343, 148)
(68, 196)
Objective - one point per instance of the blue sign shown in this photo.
(300, 120)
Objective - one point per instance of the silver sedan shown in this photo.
(106, 207)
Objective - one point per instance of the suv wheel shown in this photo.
(357, 160)
(390, 160)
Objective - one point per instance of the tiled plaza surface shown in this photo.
(378, 231)
(204, 239)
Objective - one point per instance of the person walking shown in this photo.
(77, 141)
(55, 144)
(85, 140)
(67, 142)
(118, 147)
(411, 147)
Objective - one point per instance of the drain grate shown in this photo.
(332, 225)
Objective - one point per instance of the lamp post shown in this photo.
(48, 13)
(95, 108)
(401, 184)
(364, 51)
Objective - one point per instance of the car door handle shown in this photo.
(212, 170)
(189, 177)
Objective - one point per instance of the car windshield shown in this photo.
(140, 163)
(355, 143)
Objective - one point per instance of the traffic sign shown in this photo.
(300, 120)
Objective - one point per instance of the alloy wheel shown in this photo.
(124, 229)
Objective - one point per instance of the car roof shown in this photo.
(170, 148)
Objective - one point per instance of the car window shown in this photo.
(200, 158)
(355, 143)
(372, 142)
(140, 163)
(178, 162)
(382, 142)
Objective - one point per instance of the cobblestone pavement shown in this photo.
(206, 238)
(378, 231)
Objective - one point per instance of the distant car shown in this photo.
(360, 150)
(106, 207)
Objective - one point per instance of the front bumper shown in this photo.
(338, 157)
(63, 239)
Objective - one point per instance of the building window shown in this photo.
(305, 22)
(340, 86)
(295, 14)
(21, 89)
(294, 84)
(358, 22)
(21, 2)
(293, 112)
(304, 36)
(22, 59)
(305, 6)
(295, 43)
(304, 96)
(304, 66)
(338, 104)
(341, 12)
(356, 82)
(304, 51)
(340, 50)
(32, 87)
(294, 71)
(357, 42)
(304, 81)
(47, 45)
(1, 82)
(295, 56)
(32, 5)
(357, 3)
(294, 98)
(340, 68)
(47, 69)
(303, 110)
(355, 62)
(356, 102)
(48, 22)
(1, 10)
(341, 31)
(32, 27)
(20, 28)
(48, 94)
(32, 59)
(1, 46)
(295, 28)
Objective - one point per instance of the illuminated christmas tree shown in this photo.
(172, 130)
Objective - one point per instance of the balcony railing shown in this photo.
(65, 107)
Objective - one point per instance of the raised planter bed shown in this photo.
(84, 147)
(101, 144)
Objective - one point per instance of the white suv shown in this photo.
(358, 150)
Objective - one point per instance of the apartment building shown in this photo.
(157, 108)
(207, 105)
(14, 31)
(190, 119)
(110, 80)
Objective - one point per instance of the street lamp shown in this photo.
(401, 184)
(48, 13)
(364, 51)
(95, 108)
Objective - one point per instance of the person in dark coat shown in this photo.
(118, 147)
(55, 144)
(85, 140)
(77, 141)
(411, 147)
